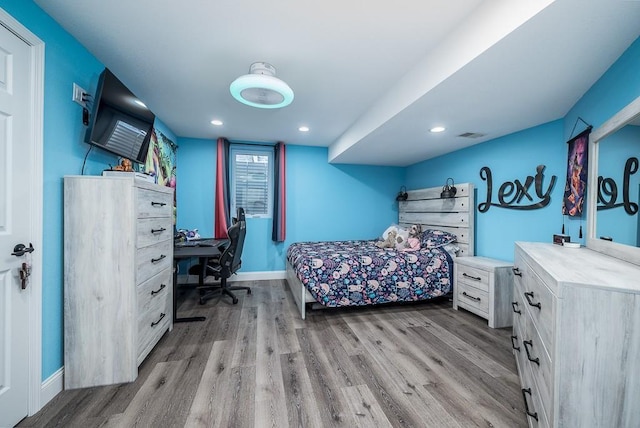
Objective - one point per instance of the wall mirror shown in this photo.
(613, 220)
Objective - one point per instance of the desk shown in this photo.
(208, 249)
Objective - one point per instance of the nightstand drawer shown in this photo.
(483, 285)
(475, 277)
(473, 299)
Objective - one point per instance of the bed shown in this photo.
(357, 273)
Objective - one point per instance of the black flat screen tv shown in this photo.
(120, 123)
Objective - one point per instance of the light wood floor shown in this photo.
(256, 364)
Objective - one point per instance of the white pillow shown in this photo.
(394, 227)
(404, 234)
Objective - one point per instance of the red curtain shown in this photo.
(221, 221)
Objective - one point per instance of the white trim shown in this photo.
(35, 297)
(259, 276)
(52, 386)
(240, 276)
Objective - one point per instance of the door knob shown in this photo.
(20, 250)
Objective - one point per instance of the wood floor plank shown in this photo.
(300, 398)
(156, 402)
(348, 339)
(211, 390)
(236, 408)
(365, 410)
(442, 364)
(499, 391)
(469, 351)
(270, 408)
(286, 330)
(246, 339)
(399, 405)
(326, 387)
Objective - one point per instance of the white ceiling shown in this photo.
(370, 77)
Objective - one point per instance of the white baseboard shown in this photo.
(259, 276)
(240, 276)
(51, 387)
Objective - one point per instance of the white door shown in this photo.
(15, 224)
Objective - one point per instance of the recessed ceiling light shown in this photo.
(216, 122)
(436, 129)
(303, 129)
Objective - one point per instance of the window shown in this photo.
(251, 178)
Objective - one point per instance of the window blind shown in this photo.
(251, 176)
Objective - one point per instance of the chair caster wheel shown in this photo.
(249, 291)
(235, 301)
(201, 301)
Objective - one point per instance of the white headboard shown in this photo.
(454, 215)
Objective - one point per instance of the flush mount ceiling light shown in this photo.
(261, 88)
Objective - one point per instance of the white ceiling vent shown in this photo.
(471, 135)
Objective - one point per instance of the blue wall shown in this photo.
(66, 62)
(324, 202)
(510, 158)
(516, 155)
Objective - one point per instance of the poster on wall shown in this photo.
(575, 187)
(161, 162)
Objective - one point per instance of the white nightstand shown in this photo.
(484, 286)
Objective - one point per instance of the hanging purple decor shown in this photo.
(575, 188)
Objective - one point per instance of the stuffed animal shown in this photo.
(413, 242)
(390, 240)
(125, 165)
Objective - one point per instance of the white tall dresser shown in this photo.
(576, 336)
(118, 258)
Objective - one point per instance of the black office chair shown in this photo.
(228, 263)
(196, 269)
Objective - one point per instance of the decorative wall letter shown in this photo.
(608, 190)
(511, 194)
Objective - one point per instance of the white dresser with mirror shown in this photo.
(576, 325)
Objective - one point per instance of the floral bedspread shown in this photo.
(356, 273)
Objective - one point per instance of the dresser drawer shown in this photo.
(477, 278)
(473, 299)
(151, 203)
(152, 324)
(152, 230)
(153, 259)
(156, 288)
(538, 301)
(529, 388)
(540, 364)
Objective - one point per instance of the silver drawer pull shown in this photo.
(154, 292)
(162, 315)
(526, 391)
(475, 278)
(162, 256)
(529, 296)
(162, 229)
(526, 344)
(468, 296)
(516, 271)
(158, 204)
